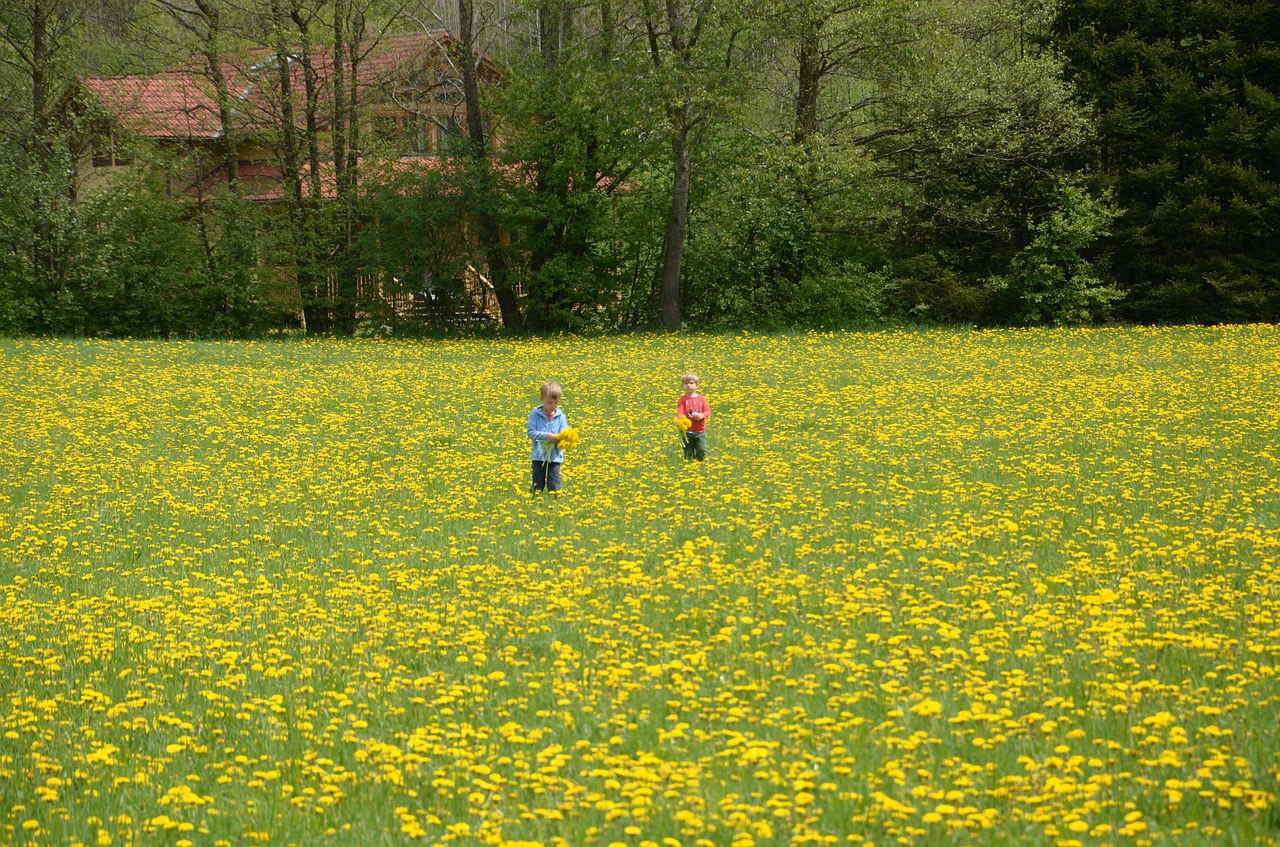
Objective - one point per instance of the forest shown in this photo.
(611, 165)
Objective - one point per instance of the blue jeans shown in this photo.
(546, 475)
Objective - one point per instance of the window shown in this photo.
(416, 140)
(447, 87)
(408, 135)
(450, 131)
(385, 130)
(109, 149)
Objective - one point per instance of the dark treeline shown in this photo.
(614, 164)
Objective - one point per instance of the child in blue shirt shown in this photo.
(546, 422)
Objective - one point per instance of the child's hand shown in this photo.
(553, 437)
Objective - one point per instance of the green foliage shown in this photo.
(930, 137)
(1189, 125)
(851, 163)
(559, 210)
(142, 269)
(40, 236)
(759, 255)
(637, 226)
(120, 260)
(234, 297)
(416, 236)
(1053, 280)
(989, 131)
(577, 133)
(20, 293)
(750, 234)
(846, 295)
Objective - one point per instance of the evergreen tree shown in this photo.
(1188, 103)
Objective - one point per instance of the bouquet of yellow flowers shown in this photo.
(568, 437)
(683, 424)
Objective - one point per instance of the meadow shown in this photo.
(930, 588)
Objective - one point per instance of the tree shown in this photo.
(108, 260)
(991, 136)
(1053, 278)
(692, 47)
(576, 131)
(894, 150)
(1188, 111)
(204, 20)
(418, 235)
(793, 211)
(313, 114)
(480, 174)
(40, 38)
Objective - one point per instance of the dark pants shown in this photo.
(546, 475)
(695, 445)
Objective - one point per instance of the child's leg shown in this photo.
(697, 446)
(539, 476)
(553, 476)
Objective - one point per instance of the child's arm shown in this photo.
(536, 433)
(692, 410)
(535, 428)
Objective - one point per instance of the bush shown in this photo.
(848, 295)
(1051, 277)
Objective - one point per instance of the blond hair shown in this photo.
(550, 388)
(688, 374)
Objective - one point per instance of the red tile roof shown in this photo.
(175, 104)
(180, 103)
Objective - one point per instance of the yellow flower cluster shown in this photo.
(568, 438)
(683, 423)
(970, 588)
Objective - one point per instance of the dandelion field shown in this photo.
(936, 588)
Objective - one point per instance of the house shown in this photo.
(408, 112)
(408, 95)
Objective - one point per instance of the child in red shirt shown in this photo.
(695, 407)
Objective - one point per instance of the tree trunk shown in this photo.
(312, 104)
(606, 31)
(213, 56)
(673, 34)
(355, 35)
(42, 248)
(288, 127)
(544, 248)
(673, 255)
(348, 188)
(811, 66)
(339, 92)
(808, 78)
(490, 234)
(39, 69)
(315, 297)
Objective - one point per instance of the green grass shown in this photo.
(950, 587)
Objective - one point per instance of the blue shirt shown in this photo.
(539, 428)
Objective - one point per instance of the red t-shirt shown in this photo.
(687, 404)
